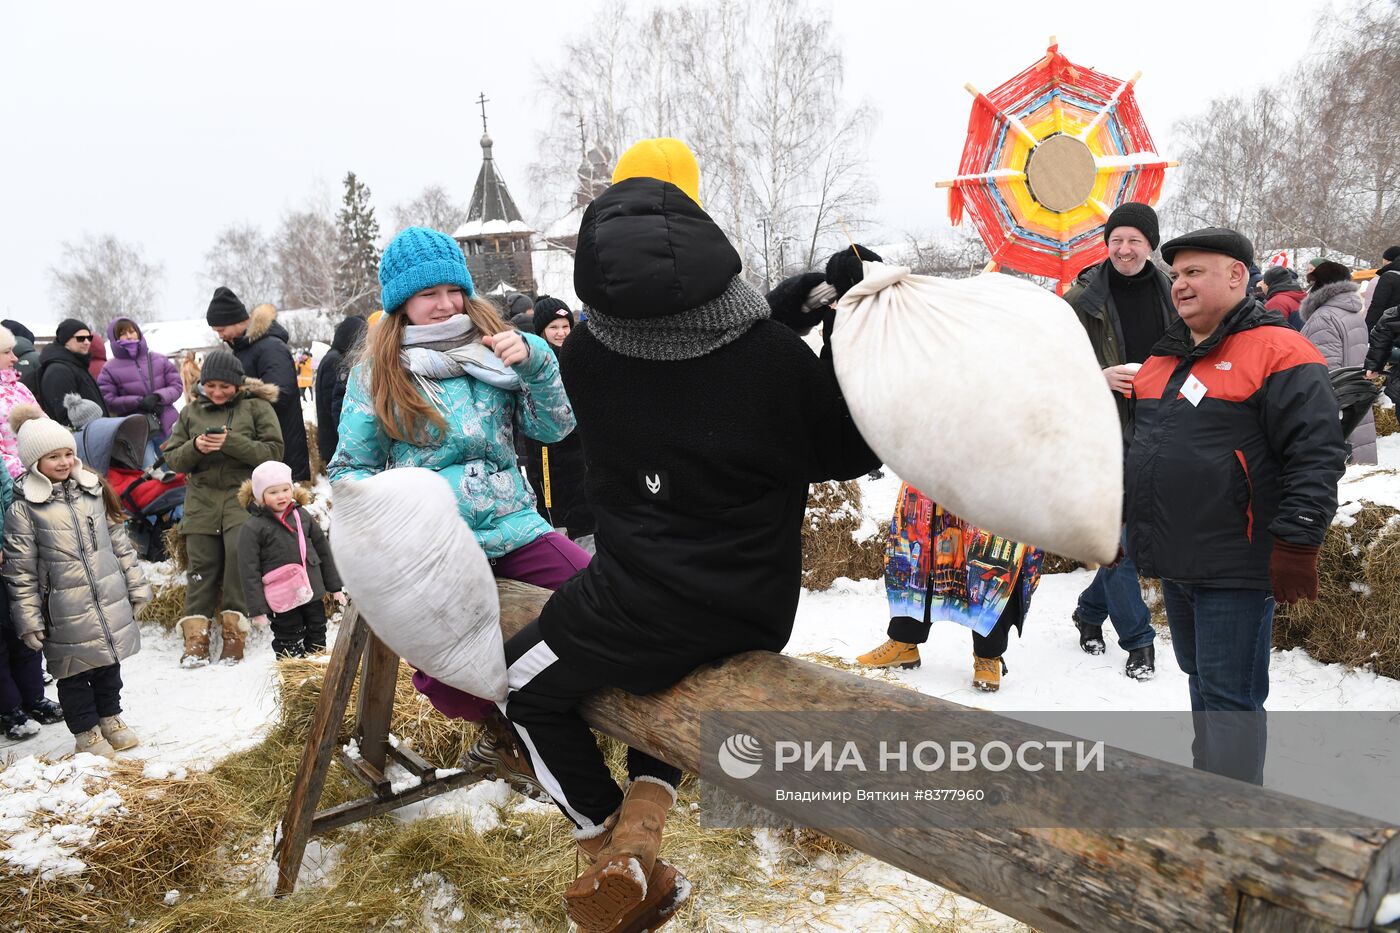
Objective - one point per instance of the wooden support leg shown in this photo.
(379, 678)
(320, 748)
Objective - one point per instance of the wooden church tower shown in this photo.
(495, 239)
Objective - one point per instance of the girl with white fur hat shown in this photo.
(75, 585)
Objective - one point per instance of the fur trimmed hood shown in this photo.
(245, 495)
(38, 488)
(1344, 296)
(260, 321)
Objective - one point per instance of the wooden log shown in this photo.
(1053, 879)
(316, 757)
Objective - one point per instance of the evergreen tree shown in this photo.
(357, 277)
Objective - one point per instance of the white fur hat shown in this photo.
(37, 434)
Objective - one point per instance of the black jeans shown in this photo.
(299, 631)
(90, 696)
(542, 706)
(21, 667)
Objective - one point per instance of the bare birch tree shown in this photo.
(434, 208)
(242, 259)
(102, 278)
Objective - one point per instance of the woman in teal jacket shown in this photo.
(444, 385)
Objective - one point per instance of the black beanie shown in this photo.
(225, 308)
(549, 309)
(1390, 255)
(67, 328)
(1137, 215)
(223, 366)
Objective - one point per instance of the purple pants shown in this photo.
(546, 562)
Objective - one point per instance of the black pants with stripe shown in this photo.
(542, 705)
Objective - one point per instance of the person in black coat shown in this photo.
(704, 422)
(260, 344)
(331, 377)
(561, 500)
(1387, 291)
(63, 369)
(1384, 340)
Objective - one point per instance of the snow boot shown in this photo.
(17, 725)
(667, 888)
(1090, 636)
(235, 629)
(892, 654)
(196, 632)
(1142, 663)
(496, 752)
(93, 743)
(986, 673)
(117, 733)
(45, 711)
(615, 886)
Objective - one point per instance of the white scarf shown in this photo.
(453, 348)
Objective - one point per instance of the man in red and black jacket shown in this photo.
(1231, 482)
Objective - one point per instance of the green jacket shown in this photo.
(1093, 304)
(212, 480)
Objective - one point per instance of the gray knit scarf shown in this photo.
(452, 348)
(687, 335)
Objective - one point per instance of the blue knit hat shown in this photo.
(420, 258)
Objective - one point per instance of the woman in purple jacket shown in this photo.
(138, 381)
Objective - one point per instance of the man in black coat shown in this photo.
(260, 344)
(1387, 292)
(703, 422)
(1230, 485)
(63, 368)
(331, 377)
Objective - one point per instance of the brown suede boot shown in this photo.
(667, 888)
(235, 631)
(619, 882)
(195, 630)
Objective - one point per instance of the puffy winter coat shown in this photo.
(269, 541)
(1385, 295)
(264, 353)
(477, 454)
(1211, 484)
(331, 378)
(556, 475)
(127, 379)
(1333, 321)
(62, 371)
(212, 480)
(1384, 341)
(698, 469)
(12, 393)
(72, 574)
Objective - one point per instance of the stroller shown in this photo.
(154, 498)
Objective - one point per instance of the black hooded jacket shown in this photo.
(264, 353)
(331, 377)
(1235, 442)
(1386, 294)
(62, 371)
(698, 469)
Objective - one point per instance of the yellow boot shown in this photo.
(892, 654)
(986, 673)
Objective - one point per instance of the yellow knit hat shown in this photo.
(662, 158)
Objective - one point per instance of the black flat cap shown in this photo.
(1212, 240)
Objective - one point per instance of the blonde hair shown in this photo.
(399, 406)
(7, 339)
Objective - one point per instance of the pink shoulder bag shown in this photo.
(288, 586)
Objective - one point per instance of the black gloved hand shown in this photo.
(149, 404)
(844, 269)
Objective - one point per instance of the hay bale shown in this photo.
(1054, 563)
(168, 605)
(171, 833)
(1356, 619)
(1386, 423)
(829, 545)
(313, 450)
(175, 548)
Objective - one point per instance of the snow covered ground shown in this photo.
(194, 717)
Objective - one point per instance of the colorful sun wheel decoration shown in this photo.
(1049, 154)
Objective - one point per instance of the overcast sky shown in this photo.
(162, 123)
